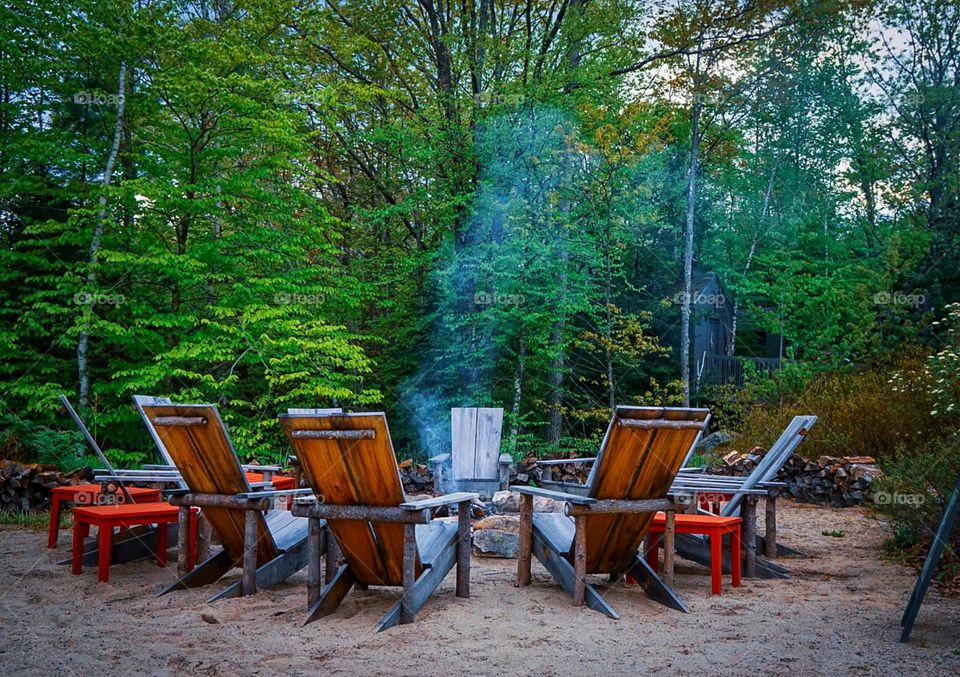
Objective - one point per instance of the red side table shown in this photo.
(709, 525)
(108, 517)
(87, 495)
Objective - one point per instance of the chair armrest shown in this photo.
(261, 468)
(437, 501)
(277, 492)
(556, 495)
(158, 466)
(438, 459)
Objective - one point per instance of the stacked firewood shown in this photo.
(572, 473)
(527, 470)
(416, 477)
(27, 486)
(839, 481)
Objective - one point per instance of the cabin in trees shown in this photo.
(711, 336)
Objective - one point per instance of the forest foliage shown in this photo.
(409, 205)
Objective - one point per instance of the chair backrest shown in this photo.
(197, 442)
(348, 459)
(773, 460)
(475, 442)
(141, 400)
(639, 459)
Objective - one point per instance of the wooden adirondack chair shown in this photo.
(270, 547)
(474, 462)
(740, 505)
(602, 531)
(348, 460)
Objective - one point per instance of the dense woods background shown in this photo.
(409, 205)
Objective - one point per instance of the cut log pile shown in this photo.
(27, 486)
(417, 478)
(527, 470)
(839, 481)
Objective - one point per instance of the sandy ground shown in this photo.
(838, 613)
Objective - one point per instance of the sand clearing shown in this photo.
(839, 613)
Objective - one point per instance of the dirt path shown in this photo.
(839, 613)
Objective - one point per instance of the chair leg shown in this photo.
(716, 561)
(249, 575)
(735, 557)
(525, 547)
(580, 560)
(340, 583)
(463, 549)
(407, 613)
(332, 564)
(183, 539)
(314, 553)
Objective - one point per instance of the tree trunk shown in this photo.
(688, 240)
(83, 344)
(555, 377)
(517, 393)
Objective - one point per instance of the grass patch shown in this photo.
(37, 520)
(834, 534)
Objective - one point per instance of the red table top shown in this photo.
(698, 520)
(280, 482)
(128, 510)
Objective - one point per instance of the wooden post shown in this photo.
(463, 549)
(506, 460)
(333, 556)
(525, 547)
(668, 546)
(407, 613)
(770, 526)
(204, 534)
(314, 552)
(183, 540)
(580, 560)
(748, 511)
(249, 577)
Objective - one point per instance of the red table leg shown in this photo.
(192, 540)
(54, 532)
(716, 560)
(735, 556)
(80, 532)
(104, 538)
(162, 544)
